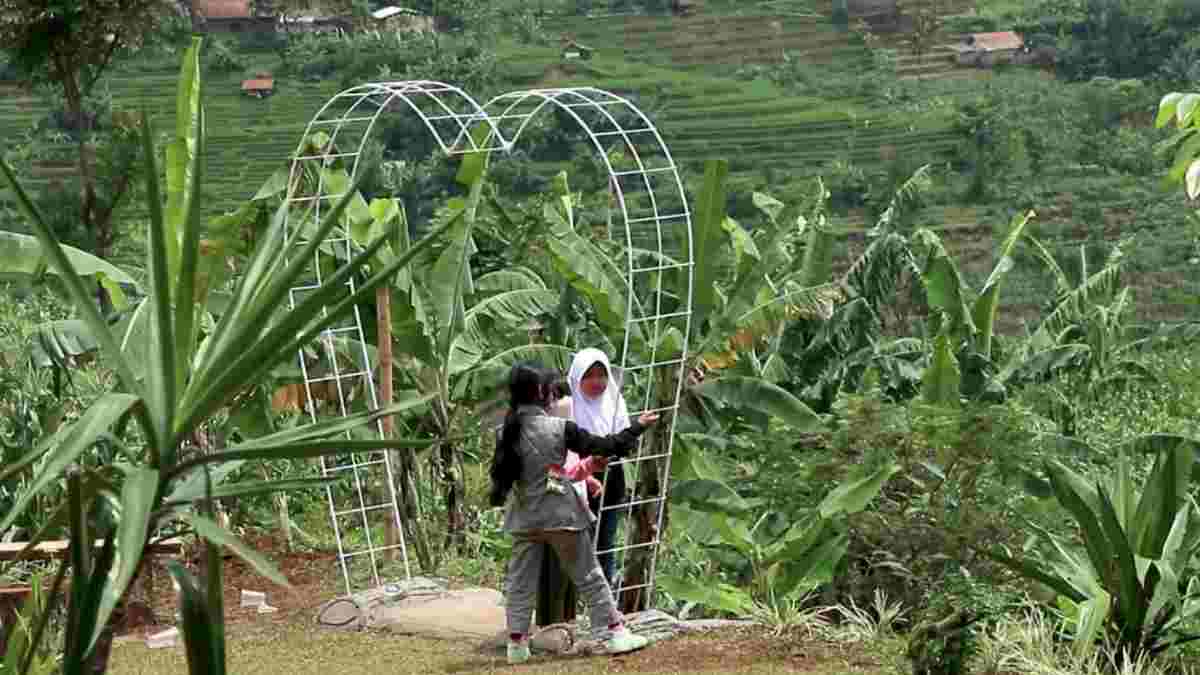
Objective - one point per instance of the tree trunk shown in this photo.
(453, 492)
(383, 339)
(410, 514)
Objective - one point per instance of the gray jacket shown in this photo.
(543, 498)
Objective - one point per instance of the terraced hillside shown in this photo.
(657, 59)
(248, 138)
(755, 124)
(727, 37)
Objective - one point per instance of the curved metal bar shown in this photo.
(586, 97)
(494, 113)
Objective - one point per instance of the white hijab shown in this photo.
(604, 415)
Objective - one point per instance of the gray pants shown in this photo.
(578, 558)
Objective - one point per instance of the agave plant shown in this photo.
(1135, 583)
(155, 487)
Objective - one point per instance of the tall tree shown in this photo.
(71, 44)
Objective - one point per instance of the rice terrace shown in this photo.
(599, 336)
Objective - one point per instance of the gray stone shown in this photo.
(362, 609)
(473, 613)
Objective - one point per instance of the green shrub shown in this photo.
(1135, 584)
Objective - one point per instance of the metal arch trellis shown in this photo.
(648, 190)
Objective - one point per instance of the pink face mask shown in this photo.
(594, 382)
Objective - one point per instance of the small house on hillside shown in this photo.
(261, 85)
(315, 24)
(574, 51)
(228, 16)
(403, 19)
(984, 50)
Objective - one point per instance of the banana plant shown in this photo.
(962, 321)
(1134, 584)
(1086, 328)
(22, 260)
(154, 487)
(455, 330)
(777, 557)
(745, 287)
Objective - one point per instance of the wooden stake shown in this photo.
(383, 331)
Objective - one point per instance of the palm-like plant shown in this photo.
(156, 485)
(1134, 583)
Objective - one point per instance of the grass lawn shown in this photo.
(288, 642)
(302, 650)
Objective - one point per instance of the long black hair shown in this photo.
(529, 384)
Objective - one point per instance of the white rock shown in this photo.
(253, 599)
(167, 638)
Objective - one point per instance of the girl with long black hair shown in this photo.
(545, 509)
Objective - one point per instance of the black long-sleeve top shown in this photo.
(586, 444)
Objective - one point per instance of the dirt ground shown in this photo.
(289, 642)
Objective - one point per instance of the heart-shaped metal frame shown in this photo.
(646, 187)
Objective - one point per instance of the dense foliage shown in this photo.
(864, 417)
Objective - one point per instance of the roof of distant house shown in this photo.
(996, 41)
(392, 10)
(223, 9)
(258, 84)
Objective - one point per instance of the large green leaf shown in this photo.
(254, 488)
(587, 269)
(1084, 510)
(1164, 492)
(60, 263)
(190, 290)
(1130, 595)
(718, 596)
(56, 341)
(207, 529)
(73, 442)
(199, 626)
(329, 428)
(450, 281)
(193, 487)
(814, 567)
(512, 279)
(944, 287)
(137, 501)
(1167, 107)
(708, 235)
(509, 310)
(22, 255)
(817, 267)
(750, 393)
(182, 152)
(984, 312)
(303, 450)
(492, 373)
(942, 380)
(709, 495)
(162, 371)
(853, 495)
(1037, 572)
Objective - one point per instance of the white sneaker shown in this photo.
(621, 641)
(518, 652)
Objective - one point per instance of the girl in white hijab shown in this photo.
(598, 407)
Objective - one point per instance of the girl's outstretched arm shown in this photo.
(618, 444)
